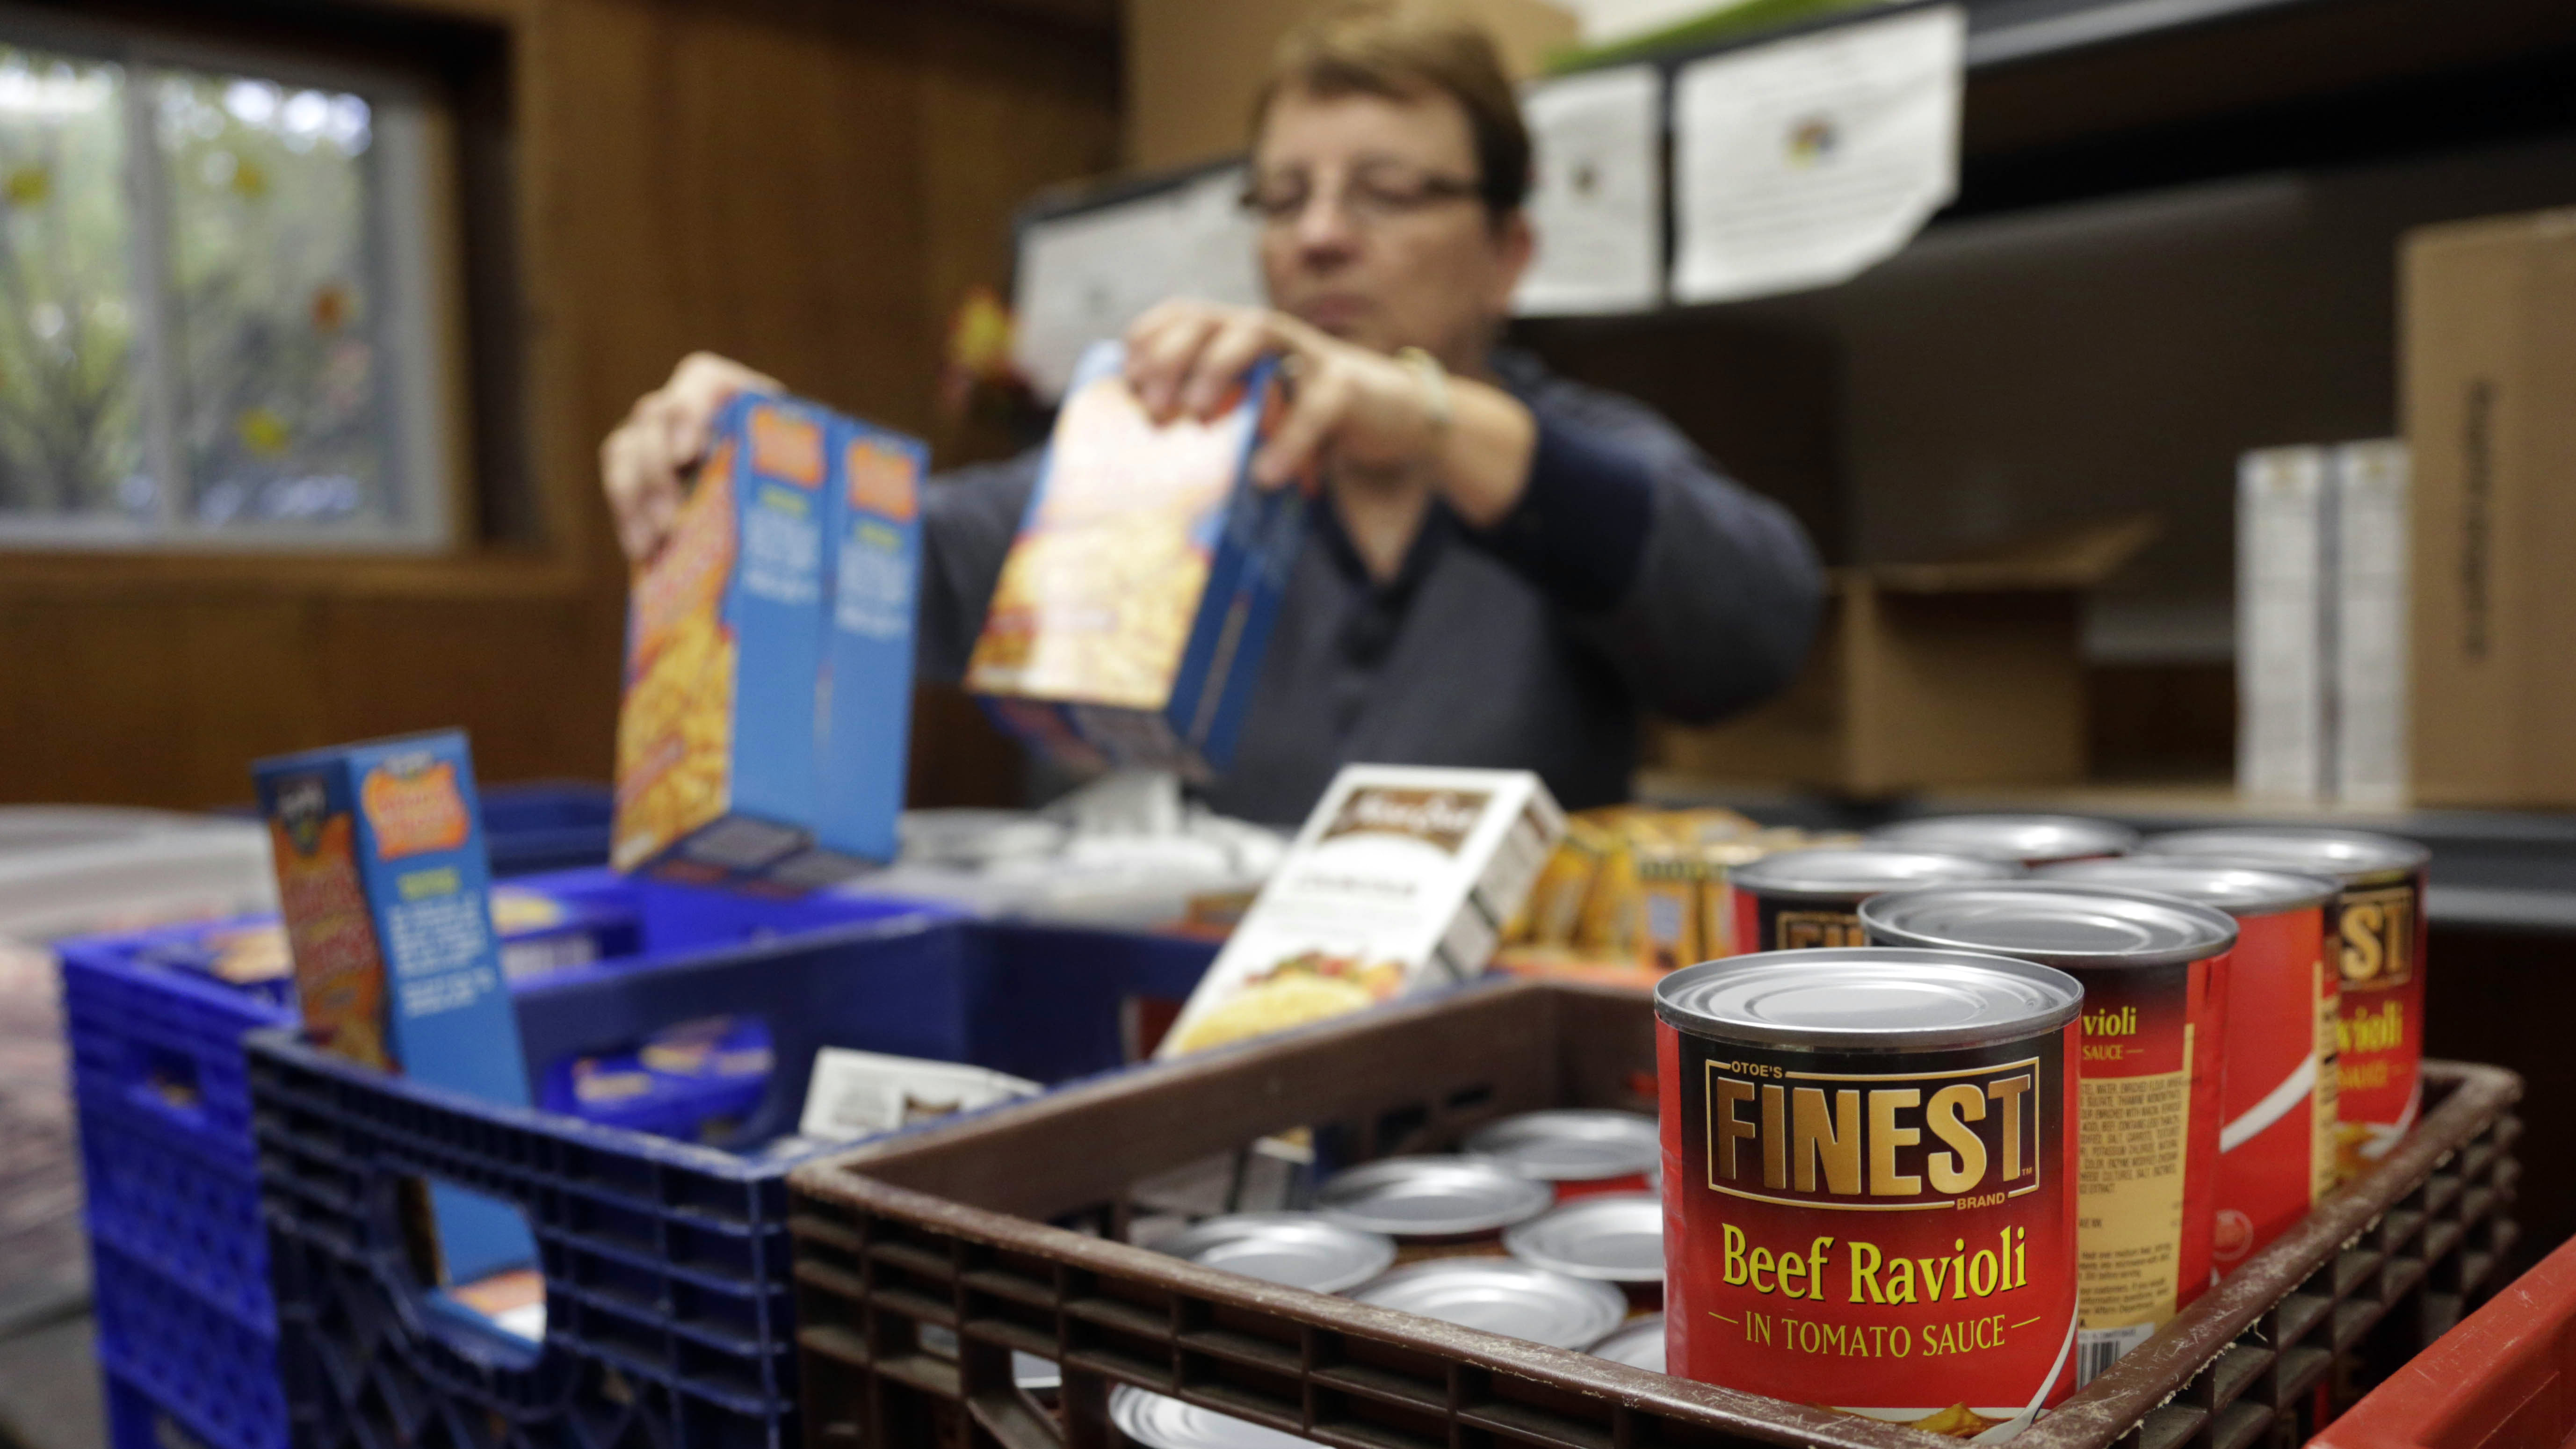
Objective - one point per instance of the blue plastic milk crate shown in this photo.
(666, 1264)
(163, 1101)
(546, 825)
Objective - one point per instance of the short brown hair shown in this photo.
(1379, 48)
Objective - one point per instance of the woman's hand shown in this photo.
(1348, 405)
(1361, 407)
(643, 465)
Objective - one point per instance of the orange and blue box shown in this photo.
(384, 887)
(1137, 600)
(874, 544)
(717, 770)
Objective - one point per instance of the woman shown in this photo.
(1510, 569)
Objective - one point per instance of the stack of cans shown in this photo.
(1987, 1069)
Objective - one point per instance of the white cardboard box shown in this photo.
(2370, 557)
(2283, 625)
(1400, 880)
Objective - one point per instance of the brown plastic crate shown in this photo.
(947, 1227)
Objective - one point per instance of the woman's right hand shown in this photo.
(644, 464)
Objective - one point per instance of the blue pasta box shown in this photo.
(874, 544)
(1137, 600)
(717, 770)
(384, 888)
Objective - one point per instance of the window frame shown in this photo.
(413, 279)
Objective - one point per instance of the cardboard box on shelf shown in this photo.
(2284, 625)
(1962, 672)
(2320, 625)
(2487, 350)
(2373, 492)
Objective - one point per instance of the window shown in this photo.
(215, 302)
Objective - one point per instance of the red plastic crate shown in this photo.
(2506, 1377)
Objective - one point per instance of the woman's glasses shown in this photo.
(1372, 195)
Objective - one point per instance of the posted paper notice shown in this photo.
(1801, 163)
(1596, 199)
(1084, 277)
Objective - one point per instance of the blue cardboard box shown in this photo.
(716, 735)
(875, 548)
(385, 890)
(1138, 597)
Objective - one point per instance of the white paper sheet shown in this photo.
(1086, 276)
(856, 1094)
(1800, 163)
(1597, 195)
(1607, 22)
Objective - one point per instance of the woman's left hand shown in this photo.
(1357, 407)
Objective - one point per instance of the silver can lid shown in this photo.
(1500, 1295)
(1868, 997)
(2239, 890)
(1431, 1196)
(2354, 857)
(1616, 1237)
(1849, 873)
(1573, 1144)
(1158, 1422)
(2056, 924)
(2026, 839)
(1638, 1345)
(1301, 1250)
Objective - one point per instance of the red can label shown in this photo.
(1767, 924)
(2379, 1032)
(2276, 1147)
(2150, 1109)
(1568, 1189)
(1889, 1235)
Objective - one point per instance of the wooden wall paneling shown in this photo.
(95, 695)
(809, 187)
(249, 688)
(796, 203)
(999, 121)
(139, 701)
(526, 683)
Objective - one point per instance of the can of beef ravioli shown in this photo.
(2154, 970)
(1798, 900)
(2276, 1135)
(2377, 928)
(2025, 840)
(1869, 1182)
